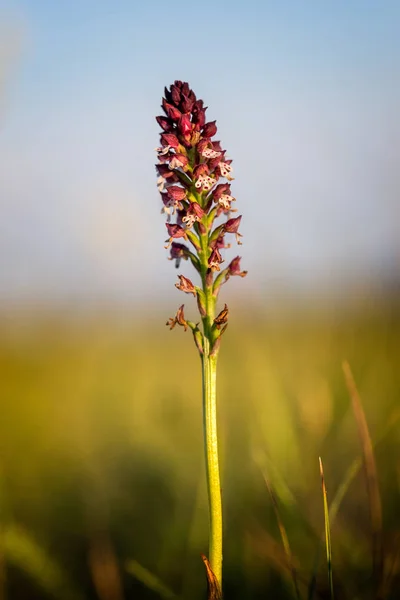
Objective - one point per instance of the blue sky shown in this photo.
(306, 98)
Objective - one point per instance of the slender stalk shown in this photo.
(212, 464)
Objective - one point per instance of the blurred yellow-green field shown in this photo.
(102, 478)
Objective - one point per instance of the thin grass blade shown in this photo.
(375, 503)
(341, 492)
(151, 581)
(285, 539)
(327, 530)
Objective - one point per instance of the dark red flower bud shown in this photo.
(175, 231)
(222, 188)
(202, 145)
(199, 115)
(209, 129)
(169, 139)
(213, 163)
(196, 209)
(215, 260)
(167, 95)
(185, 126)
(177, 161)
(187, 103)
(217, 146)
(185, 285)
(218, 242)
(199, 119)
(164, 123)
(165, 105)
(232, 225)
(234, 268)
(175, 93)
(200, 170)
(166, 172)
(198, 106)
(174, 113)
(176, 192)
(185, 89)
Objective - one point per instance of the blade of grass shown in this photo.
(327, 530)
(355, 467)
(266, 466)
(282, 490)
(375, 504)
(351, 473)
(151, 581)
(284, 538)
(269, 549)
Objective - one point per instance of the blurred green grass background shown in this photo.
(102, 457)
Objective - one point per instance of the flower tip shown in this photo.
(209, 129)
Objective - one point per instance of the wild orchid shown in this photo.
(195, 185)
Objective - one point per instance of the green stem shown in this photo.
(212, 464)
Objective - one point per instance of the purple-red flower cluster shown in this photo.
(194, 180)
(191, 167)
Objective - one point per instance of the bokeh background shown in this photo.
(101, 467)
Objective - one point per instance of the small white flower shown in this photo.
(226, 170)
(205, 182)
(175, 163)
(208, 153)
(167, 210)
(161, 183)
(225, 201)
(171, 207)
(161, 151)
(190, 220)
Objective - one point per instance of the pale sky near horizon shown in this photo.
(306, 98)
